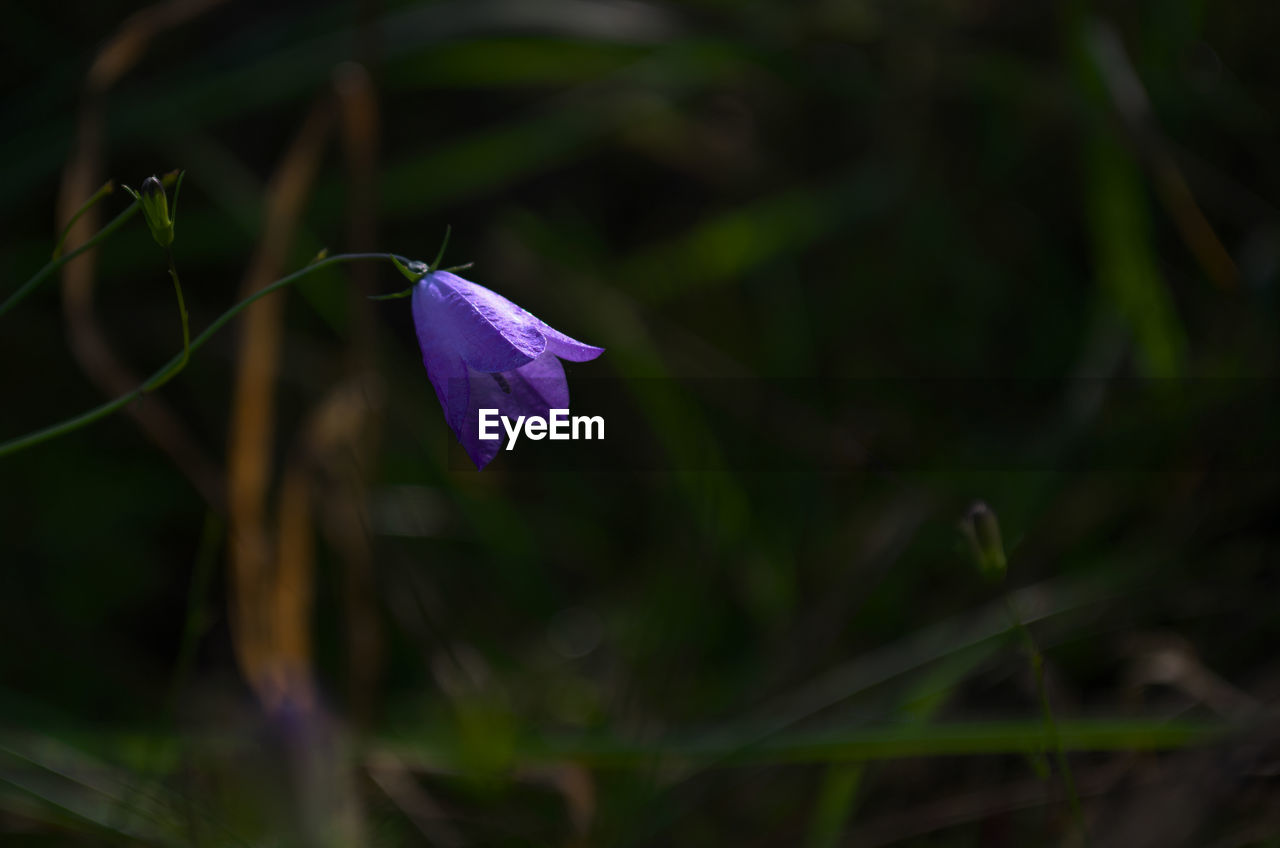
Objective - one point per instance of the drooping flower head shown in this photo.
(482, 351)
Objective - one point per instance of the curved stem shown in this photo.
(186, 327)
(54, 264)
(435, 263)
(162, 375)
(107, 187)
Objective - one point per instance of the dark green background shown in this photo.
(768, 631)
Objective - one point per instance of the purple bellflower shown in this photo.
(482, 351)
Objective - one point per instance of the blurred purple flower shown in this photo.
(483, 351)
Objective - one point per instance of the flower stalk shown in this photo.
(981, 530)
(157, 379)
(186, 325)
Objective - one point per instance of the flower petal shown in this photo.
(490, 332)
(481, 451)
(445, 368)
(533, 389)
(567, 348)
(540, 386)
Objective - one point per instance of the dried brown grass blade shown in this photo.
(273, 663)
(344, 501)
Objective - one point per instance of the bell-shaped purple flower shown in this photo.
(484, 352)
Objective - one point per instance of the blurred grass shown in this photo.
(702, 653)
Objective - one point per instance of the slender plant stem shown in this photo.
(195, 624)
(186, 327)
(1046, 711)
(106, 189)
(54, 264)
(158, 378)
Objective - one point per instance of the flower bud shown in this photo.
(982, 531)
(155, 209)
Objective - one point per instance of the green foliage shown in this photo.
(855, 265)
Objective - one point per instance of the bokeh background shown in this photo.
(856, 264)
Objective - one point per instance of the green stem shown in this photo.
(107, 187)
(186, 328)
(1046, 711)
(54, 264)
(196, 622)
(158, 378)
